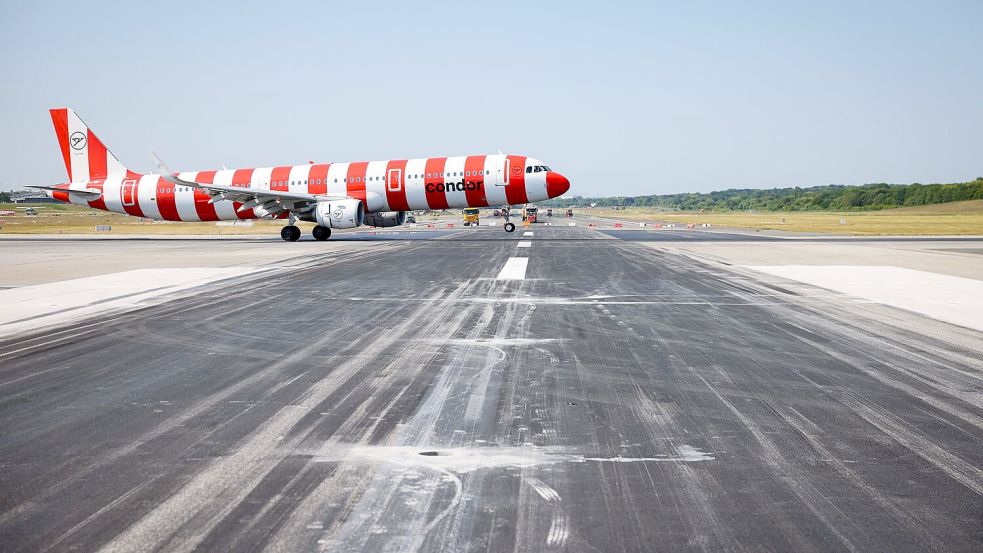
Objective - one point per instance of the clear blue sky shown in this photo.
(624, 98)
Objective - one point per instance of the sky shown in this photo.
(624, 98)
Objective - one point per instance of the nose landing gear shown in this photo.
(290, 233)
(509, 227)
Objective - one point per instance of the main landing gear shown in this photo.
(321, 233)
(290, 233)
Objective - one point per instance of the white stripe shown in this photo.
(337, 172)
(147, 196)
(524, 244)
(514, 269)
(298, 179)
(375, 185)
(416, 196)
(184, 198)
(111, 194)
(453, 173)
(527, 233)
(261, 178)
(493, 193)
(224, 209)
(79, 159)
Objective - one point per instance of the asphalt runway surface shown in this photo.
(398, 396)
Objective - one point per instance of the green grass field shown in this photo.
(955, 218)
(73, 219)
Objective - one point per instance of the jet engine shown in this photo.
(385, 218)
(340, 214)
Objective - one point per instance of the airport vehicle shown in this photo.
(332, 195)
(570, 212)
(471, 216)
(411, 218)
(529, 214)
(549, 212)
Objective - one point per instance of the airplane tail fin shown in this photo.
(86, 157)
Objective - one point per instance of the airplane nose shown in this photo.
(556, 184)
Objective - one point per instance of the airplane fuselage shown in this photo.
(390, 185)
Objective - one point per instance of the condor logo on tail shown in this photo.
(78, 140)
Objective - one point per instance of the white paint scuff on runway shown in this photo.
(514, 269)
(30, 307)
(946, 298)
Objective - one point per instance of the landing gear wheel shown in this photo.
(290, 233)
(509, 227)
(321, 233)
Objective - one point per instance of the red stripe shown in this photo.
(100, 202)
(355, 183)
(134, 209)
(205, 210)
(165, 200)
(242, 178)
(317, 181)
(515, 190)
(476, 165)
(279, 178)
(433, 174)
(97, 157)
(97, 168)
(59, 117)
(60, 196)
(397, 198)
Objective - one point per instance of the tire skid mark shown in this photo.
(209, 496)
(375, 502)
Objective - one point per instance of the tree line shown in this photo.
(817, 198)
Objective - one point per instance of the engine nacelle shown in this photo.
(385, 218)
(340, 214)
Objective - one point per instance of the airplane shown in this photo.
(332, 195)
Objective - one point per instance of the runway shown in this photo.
(614, 393)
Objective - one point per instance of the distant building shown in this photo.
(34, 200)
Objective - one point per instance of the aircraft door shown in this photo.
(128, 193)
(394, 182)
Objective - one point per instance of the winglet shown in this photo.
(160, 165)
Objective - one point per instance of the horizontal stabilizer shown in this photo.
(90, 193)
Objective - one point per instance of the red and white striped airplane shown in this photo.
(333, 195)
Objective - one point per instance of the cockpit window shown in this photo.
(538, 169)
(529, 169)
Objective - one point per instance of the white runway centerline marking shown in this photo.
(514, 269)
(527, 233)
(524, 244)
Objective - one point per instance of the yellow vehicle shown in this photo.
(471, 216)
(529, 214)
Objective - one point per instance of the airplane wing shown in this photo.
(273, 202)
